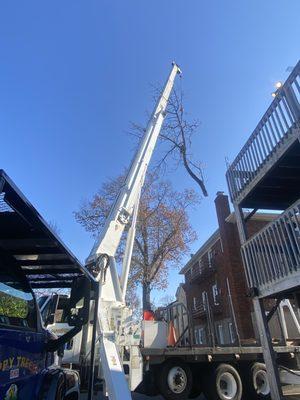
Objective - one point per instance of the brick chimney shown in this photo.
(222, 208)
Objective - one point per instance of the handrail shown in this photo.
(282, 115)
(204, 268)
(273, 253)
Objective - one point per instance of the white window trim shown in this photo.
(201, 333)
(194, 302)
(204, 300)
(215, 293)
(210, 256)
(221, 334)
(200, 263)
(231, 332)
(196, 333)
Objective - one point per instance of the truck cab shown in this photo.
(27, 368)
(33, 257)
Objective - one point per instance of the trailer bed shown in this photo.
(214, 353)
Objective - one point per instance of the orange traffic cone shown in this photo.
(172, 335)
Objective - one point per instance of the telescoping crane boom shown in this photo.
(112, 290)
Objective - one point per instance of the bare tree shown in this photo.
(177, 134)
(163, 232)
(165, 300)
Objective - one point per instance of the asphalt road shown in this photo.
(294, 394)
(135, 396)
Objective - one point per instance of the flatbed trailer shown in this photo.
(227, 372)
(211, 354)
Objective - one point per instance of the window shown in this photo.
(221, 334)
(196, 336)
(231, 332)
(17, 307)
(41, 301)
(200, 266)
(210, 256)
(215, 293)
(201, 334)
(204, 300)
(46, 310)
(60, 312)
(194, 303)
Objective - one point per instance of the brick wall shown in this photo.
(229, 268)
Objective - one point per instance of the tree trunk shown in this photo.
(146, 296)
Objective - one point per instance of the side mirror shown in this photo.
(79, 304)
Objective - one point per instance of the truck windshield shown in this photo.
(17, 307)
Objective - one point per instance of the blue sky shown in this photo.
(74, 73)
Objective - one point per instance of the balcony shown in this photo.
(200, 309)
(272, 256)
(203, 270)
(252, 178)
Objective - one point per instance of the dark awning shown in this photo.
(25, 236)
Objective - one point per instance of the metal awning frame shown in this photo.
(36, 248)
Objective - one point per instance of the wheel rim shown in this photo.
(227, 386)
(261, 382)
(177, 379)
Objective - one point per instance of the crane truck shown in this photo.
(95, 328)
(130, 357)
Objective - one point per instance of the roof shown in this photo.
(258, 216)
(206, 245)
(261, 216)
(25, 236)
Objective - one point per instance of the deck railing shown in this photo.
(282, 115)
(204, 268)
(273, 254)
(199, 309)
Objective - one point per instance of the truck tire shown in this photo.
(223, 383)
(174, 380)
(256, 383)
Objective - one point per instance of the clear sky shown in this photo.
(74, 73)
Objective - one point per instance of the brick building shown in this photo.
(215, 282)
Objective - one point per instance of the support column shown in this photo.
(268, 351)
(262, 323)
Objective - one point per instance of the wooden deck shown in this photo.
(275, 133)
(272, 256)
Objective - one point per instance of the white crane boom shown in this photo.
(124, 211)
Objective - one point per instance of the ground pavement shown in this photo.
(135, 396)
(294, 394)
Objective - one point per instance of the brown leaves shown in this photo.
(163, 231)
